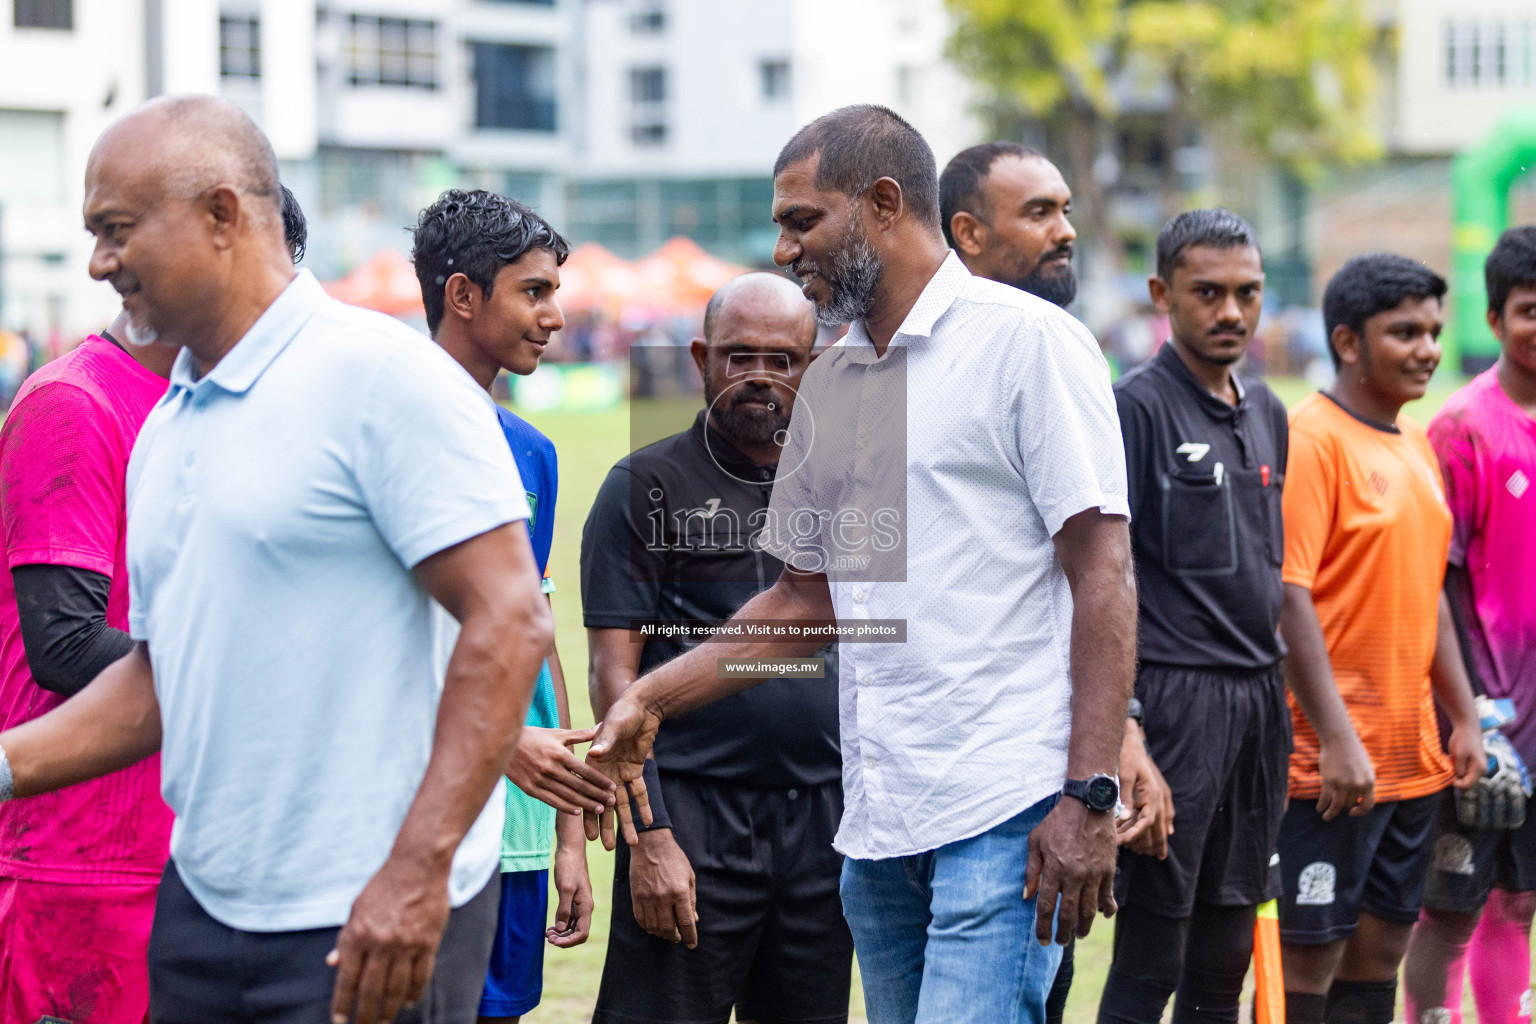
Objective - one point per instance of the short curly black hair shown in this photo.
(475, 233)
(1214, 228)
(1511, 264)
(295, 227)
(1374, 283)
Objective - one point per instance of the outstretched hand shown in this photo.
(624, 740)
(545, 768)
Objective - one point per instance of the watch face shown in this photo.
(1102, 793)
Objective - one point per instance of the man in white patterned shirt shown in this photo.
(953, 471)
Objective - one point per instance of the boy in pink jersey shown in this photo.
(79, 868)
(1485, 437)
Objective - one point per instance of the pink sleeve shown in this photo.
(61, 481)
(1456, 452)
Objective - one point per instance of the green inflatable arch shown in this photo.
(1481, 177)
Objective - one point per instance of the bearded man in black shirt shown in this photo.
(746, 793)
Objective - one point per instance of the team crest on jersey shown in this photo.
(1453, 854)
(1518, 483)
(1315, 887)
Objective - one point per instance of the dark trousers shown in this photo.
(204, 972)
(772, 940)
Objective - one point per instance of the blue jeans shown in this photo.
(947, 936)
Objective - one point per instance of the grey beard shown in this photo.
(853, 274)
(140, 337)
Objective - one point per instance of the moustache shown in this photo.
(1066, 249)
(752, 393)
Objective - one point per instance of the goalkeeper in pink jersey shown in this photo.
(1481, 891)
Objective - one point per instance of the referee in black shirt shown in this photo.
(750, 786)
(1205, 453)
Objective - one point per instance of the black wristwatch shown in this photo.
(1134, 711)
(1099, 793)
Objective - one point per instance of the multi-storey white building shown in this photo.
(689, 101)
(1460, 65)
(624, 121)
(67, 69)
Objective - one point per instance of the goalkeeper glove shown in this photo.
(1497, 800)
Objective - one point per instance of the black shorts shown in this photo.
(1468, 863)
(772, 940)
(1334, 870)
(201, 970)
(1223, 742)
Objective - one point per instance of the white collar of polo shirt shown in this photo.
(249, 357)
(937, 296)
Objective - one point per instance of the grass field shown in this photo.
(589, 443)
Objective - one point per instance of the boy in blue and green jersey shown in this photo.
(489, 268)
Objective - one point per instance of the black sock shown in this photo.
(1361, 1002)
(1149, 953)
(1215, 964)
(1056, 1002)
(1304, 1008)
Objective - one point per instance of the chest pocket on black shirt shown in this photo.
(1199, 532)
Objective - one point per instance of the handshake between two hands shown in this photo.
(547, 769)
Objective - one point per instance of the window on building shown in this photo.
(391, 51)
(44, 14)
(774, 76)
(648, 105)
(1497, 52)
(514, 87)
(1526, 54)
(650, 16)
(32, 160)
(239, 47)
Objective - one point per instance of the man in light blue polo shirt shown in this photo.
(316, 482)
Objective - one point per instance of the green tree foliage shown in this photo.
(1292, 81)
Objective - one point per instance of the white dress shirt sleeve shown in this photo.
(1070, 450)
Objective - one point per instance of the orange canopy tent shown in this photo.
(385, 281)
(680, 277)
(592, 279)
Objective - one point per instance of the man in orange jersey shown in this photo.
(1371, 638)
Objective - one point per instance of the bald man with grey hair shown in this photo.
(334, 608)
(739, 860)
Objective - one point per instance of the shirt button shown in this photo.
(871, 763)
(794, 794)
(861, 595)
(764, 474)
(864, 679)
